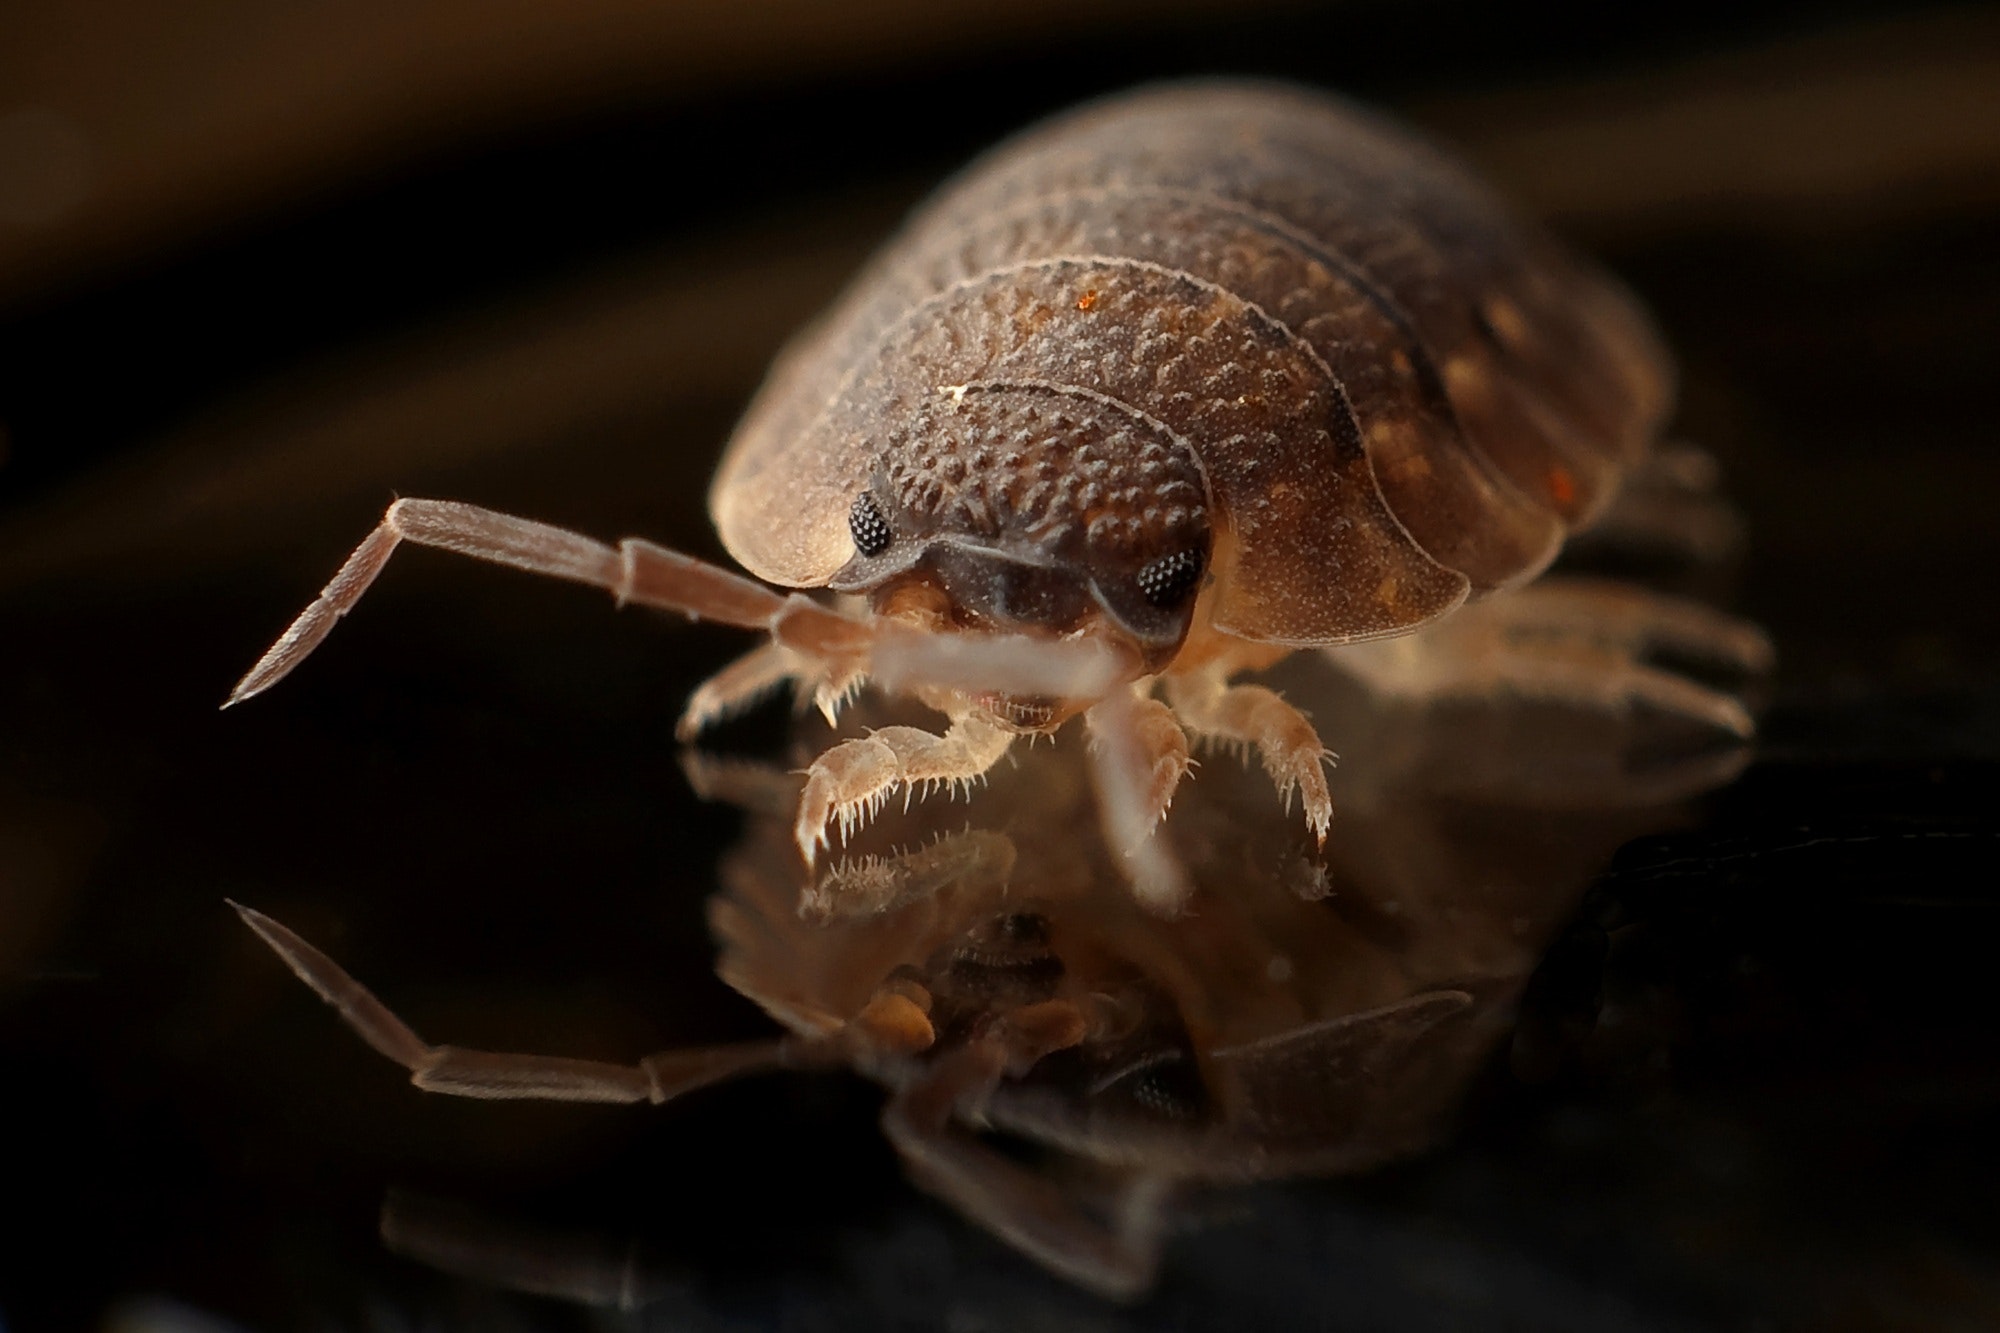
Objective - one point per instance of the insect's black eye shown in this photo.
(1167, 582)
(870, 530)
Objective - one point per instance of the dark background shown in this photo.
(262, 265)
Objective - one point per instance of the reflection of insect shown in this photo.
(1158, 393)
(1315, 1016)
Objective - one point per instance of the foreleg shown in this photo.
(849, 783)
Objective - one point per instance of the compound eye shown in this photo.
(1167, 581)
(865, 523)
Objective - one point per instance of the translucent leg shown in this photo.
(1592, 644)
(1669, 506)
(508, 1256)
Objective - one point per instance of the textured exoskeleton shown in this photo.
(1151, 396)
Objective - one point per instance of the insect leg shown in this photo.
(1253, 715)
(1598, 645)
(633, 571)
(736, 687)
(1138, 756)
(850, 782)
(1668, 507)
(493, 1075)
(1633, 697)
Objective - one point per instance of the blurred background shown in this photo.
(263, 265)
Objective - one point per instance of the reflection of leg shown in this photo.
(1253, 715)
(972, 861)
(1024, 1209)
(511, 1256)
(1598, 645)
(1138, 757)
(851, 781)
(488, 1074)
(760, 788)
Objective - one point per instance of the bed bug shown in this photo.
(1150, 397)
(1319, 1015)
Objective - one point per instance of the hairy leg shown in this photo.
(849, 783)
(975, 860)
(1250, 715)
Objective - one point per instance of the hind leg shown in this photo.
(1668, 507)
(1593, 644)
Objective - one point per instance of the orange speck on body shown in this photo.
(1087, 300)
(1562, 486)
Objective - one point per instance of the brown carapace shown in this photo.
(1151, 396)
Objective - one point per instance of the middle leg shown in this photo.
(1252, 715)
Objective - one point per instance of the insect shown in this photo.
(1316, 1016)
(1152, 396)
